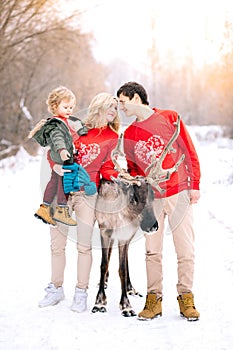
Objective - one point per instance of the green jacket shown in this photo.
(55, 134)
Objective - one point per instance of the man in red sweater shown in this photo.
(144, 142)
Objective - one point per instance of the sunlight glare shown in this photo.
(182, 28)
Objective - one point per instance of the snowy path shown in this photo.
(25, 271)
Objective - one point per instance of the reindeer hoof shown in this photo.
(102, 309)
(134, 293)
(128, 313)
(99, 309)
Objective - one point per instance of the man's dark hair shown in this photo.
(131, 88)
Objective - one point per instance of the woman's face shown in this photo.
(110, 113)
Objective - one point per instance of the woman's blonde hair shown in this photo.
(56, 96)
(99, 104)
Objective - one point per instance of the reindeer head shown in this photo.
(144, 197)
(140, 196)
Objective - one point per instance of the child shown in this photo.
(57, 133)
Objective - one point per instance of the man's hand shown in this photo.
(194, 196)
(59, 170)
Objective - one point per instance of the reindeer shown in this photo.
(123, 205)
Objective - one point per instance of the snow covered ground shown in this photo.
(25, 271)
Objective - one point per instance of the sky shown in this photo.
(25, 270)
(123, 28)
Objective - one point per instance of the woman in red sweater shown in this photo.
(144, 142)
(94, 155)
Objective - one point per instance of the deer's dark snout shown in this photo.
(149, 222)
(143, 197)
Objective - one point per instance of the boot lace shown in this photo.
(188, 302)
(67, 214)
(151, 304)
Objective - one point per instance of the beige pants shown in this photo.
(179, 212)
(84, 207)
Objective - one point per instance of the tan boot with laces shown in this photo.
(187, 308)
(152, 309)
(44, 214)
(62, 215)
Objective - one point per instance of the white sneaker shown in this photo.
(54, 296)
(80, 300)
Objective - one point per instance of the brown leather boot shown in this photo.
(152, 309)
(187, 308)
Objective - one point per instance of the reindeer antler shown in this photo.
(123, 174)
(157, 174)
(117, 152)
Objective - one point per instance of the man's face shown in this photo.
(126, 105)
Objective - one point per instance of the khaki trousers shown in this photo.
(84, 207)
(178, 210)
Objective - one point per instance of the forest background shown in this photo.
(43, 45)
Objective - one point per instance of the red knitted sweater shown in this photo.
(142, 139)
(94, 153)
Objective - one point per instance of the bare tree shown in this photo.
(40, 48)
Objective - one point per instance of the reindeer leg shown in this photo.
(107, 273)
(125, 305)
(101, 299)
(129, 287)
(109, 256)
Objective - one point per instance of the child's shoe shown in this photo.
(187, 308)
(62, 215)
(44, 214)
(54, 296)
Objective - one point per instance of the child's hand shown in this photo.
(64, 154)
(59, 170)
